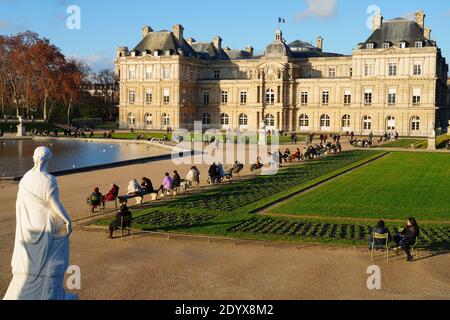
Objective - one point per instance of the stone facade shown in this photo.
(395, 81)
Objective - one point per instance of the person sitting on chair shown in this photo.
(237, 168)
(213, 173)
(112, 194)
(408, 237)
(96, 199)
(382, 230)
(258, 165)
(193, 176)
(167, 184)
(124, 212)
(176, 180)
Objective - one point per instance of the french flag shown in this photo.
(281, 20)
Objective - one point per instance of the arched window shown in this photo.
(206, 120)
(367, 123)
(390, 123)
(270, 96)
(148, 119)
(243, 120)
(166, 119)
(325, 121)
(304, 122)
(132, 119)
(346, 122)
(224, 119)
(269, 120)
(415, 124)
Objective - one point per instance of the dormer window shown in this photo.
(402, 45)
(370, 46)
(386, 45)
(419, 44)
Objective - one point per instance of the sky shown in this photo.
(107, 24)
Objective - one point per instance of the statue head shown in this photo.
(41, 157)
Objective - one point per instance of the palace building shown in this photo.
(395, 81)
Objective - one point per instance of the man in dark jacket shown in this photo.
(125, 214)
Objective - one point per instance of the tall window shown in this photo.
(224, 119)
(206, 97)
(368, 70)
(325, 97)
(392, 96)
(270, 96)
(417, 96)
(166, 96)
(132, 119)
(402, 45)
(243, 98)
(332, 72)
(148, 119)
(216, 74)
(415, 124)
(347, 97)
(390, 123)
(224, 97)
(166, 72)
(132, 73)
(132, 96)
(304, 121)
(243, 120)
(148, 96)
(392, 69)
(417, 70)
(367, 123)
(368, 97)
(269, 120)
(325, 121)
(304, 99)
(386, 45)
(370, 46)
(206, 120)
(149, 72)
(419, 44)
(166, 119)
(346, 122)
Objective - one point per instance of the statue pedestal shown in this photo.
(21, 130)
(432, 144)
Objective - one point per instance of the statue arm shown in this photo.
(60, 211)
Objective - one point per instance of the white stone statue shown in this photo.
(43, 228)
(432, 131)
(20, 128)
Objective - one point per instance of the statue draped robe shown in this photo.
(41, 250)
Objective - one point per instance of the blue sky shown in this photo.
(107, 24)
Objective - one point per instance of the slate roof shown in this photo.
(302, 49)
(163, 41)
(396, 31)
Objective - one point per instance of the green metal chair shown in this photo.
(378, 236)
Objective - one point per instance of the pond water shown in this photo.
(16, 156)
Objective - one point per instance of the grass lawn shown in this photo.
(403, 143)
(395, 187)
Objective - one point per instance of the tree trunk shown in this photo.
(69, 109)
(44, 111)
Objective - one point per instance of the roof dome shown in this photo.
(278, 47)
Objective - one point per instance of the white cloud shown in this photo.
(321, 9)
(96, 61)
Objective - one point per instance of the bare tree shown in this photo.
(107, 82)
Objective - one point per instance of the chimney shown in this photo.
(420, 18)
(377, 21)
(217, 43)
(250, 50)
(146, 30)
(190, 41)
(178, 32)
(319, 43)
(427, 33)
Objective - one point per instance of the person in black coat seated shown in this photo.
(213, 173)
(147, 185)
(380, 229)
(408, 237)
(176, 181)
(124, 212)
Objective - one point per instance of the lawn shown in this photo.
(398, 186)
(403, 143)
